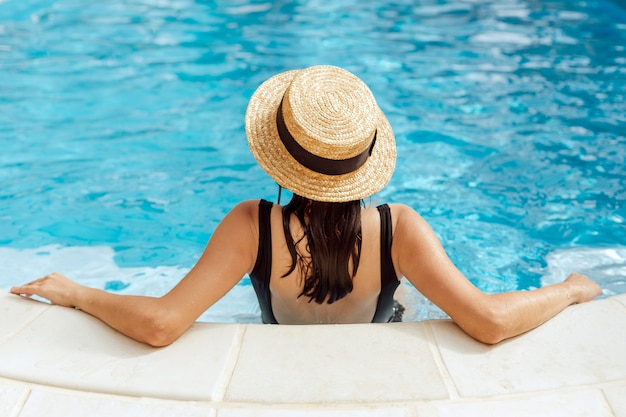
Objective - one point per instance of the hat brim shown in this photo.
(273, 157)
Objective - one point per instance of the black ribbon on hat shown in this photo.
(317, 163)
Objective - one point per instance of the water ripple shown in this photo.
(121, 122)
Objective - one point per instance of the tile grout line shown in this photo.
(618, 302)
(13, 333)
(19, 407)
(607, 403)
(413, 410)
(443, 369)
(229, 368)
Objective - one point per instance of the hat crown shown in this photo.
(330, 112)
(319, 133)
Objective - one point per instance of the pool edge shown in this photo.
(64, 362)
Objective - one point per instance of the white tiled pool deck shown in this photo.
(56, 361)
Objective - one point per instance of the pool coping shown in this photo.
(63, 362)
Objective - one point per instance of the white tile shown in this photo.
(11, 396)
(616, 397)
(583, 345)
(335, 363)
(16, 312)
(620, 298)
(316, 411)
(61, 404)
(566, 404)
(68, 348)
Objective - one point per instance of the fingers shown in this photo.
(17, 290)
(30, 288)
(586, 288)
(22, 290)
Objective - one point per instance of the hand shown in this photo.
(55, 287)
(583, 288)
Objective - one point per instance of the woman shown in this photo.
(322, 258)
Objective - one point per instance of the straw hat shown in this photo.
(319, 133)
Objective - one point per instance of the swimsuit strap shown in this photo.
(388, 277)
(260, 275)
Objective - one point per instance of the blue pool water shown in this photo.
(122, 141)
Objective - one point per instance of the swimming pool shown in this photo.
(121, 130)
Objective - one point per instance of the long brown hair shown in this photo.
(333, 233)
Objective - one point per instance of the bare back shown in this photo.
(357, 307)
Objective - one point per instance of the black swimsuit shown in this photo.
(260, 275)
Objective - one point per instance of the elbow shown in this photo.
(160, 330)
(489, 327)
(491, 335)
(159, 339)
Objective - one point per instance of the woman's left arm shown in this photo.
(488, 318)
(229, 255)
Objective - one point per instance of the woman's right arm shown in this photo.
(135, 316)
(229, 255)
(489, 318)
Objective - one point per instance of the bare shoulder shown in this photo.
(246, 208)
(412, 235)
(243, 215)
(245, 211)
(236, 235)
(401, 209)
(405, 217)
